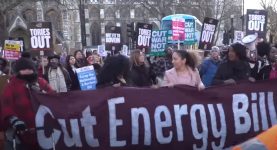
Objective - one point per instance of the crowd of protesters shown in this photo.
(51, 74)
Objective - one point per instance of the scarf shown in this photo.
(57, 80)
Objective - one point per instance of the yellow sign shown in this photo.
(11, 45)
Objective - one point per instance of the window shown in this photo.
(117, 14)
(102, 15)
(132, 13)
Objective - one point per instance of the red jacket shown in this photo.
(15, 101)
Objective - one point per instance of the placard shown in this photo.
(158, 42)
(207, 34)
(256, 22)
(143, 39)
(87, 78)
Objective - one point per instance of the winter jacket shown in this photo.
(75, 85)
(239, 70)
(261, 69)
(15, 101)
(140, 76)
(208, 70)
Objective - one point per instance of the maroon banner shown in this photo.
(164, 118)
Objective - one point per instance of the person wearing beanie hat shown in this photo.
(57, 76)
(209, 66)
(15, 104)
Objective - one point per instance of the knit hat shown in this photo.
(24, 63)
(54, 56)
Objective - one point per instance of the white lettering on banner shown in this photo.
(75, 139)
(256, 22)
(179, 112)
(223, 130)
(207, 33)
(115, 122)
(45, 142)
(203, 117)
(194, 125)
(144, 37)
(40, 38)
(243, 119)
(88, 121)
(159, 124)
(136, 112)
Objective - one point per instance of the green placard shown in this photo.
(158, 42)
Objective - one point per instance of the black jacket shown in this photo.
(239, 70)
(140, 76)
(75, 85)
(262, 69)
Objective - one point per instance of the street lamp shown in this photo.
(231, 32)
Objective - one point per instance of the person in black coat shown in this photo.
(115, 72)
(262, 67)
(71, 68)
(235, 68)
(140, 72)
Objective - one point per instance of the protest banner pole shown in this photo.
(42, 62)
(10, 66)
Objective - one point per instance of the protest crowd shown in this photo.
(87, 70)
(137, 70)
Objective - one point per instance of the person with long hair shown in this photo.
(184, 71)
(80, 59)
(140, 72)
(70, 66)
(235, 68)
(115, 72)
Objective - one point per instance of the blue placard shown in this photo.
(87, 78)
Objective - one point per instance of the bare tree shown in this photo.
(220, 10)
(271, 7)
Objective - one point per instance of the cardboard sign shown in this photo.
(238, 36)
(113, 38)
(125, 50)
(11, 50)
(207, 34)
(256, 22)
(156, 119)
(159, 41)
(101, 50)
(143, 31)
(87, 78)
(41, 37)
(178, 29)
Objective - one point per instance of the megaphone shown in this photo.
(250, 41)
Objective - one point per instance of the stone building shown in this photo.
(63, 16)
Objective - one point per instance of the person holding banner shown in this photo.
(115, 72)
(262, 66)
(140, 72)
(17, 112)
(184, 70)
(235, 68)
(209, 66)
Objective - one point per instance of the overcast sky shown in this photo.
(252, 4)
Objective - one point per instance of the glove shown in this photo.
(17, 124)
